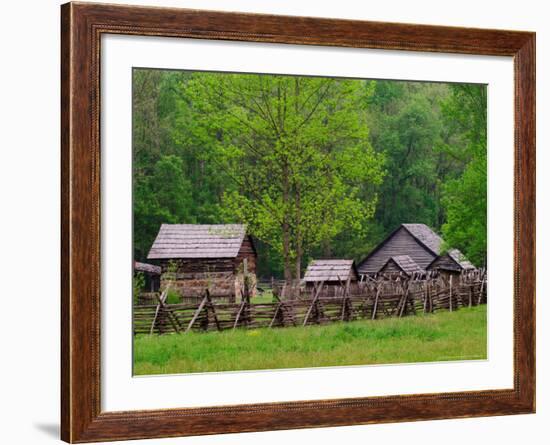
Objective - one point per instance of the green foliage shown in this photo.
(138, 283)
(163, 197)
(466, 203)
(173, 297)
(465, 198)
(316, 167)
(297, 151)
(459, 335)
(172, 267)
(407, 125)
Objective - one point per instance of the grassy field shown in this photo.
(459, 335)
(266, 297)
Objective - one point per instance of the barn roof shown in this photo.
(146, 267)
(425, 235)
(330, 270)
(198, 241)
(405, 263)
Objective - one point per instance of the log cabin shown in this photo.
(333, 273)
(451, 263)
(196, 257)
(417, 241)
(151, 275)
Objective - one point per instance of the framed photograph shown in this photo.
(274, 222)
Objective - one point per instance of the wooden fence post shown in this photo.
(404, 298)
(241, 308)
(313, 302)
(480, 298)
(211, 306)
(160, 300)
(196, 314)
(172, 318)
(375, 308)
(278, 308)
(450, 293)
(426, 293)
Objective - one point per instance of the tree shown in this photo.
(465, 198)
(316, 167)
(297, 151)
(164, 197)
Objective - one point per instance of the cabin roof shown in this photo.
(426, 238)
(198, 241)
(146, 267)
(425, 235)
(457, 256)
(330, 270)
(405, 263)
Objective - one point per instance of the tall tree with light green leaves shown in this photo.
(297, 151)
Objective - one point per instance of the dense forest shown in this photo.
(316, 167)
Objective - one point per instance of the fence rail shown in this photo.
(371, 299)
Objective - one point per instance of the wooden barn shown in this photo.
(452, 262)
(196, 257)
(417, 241)
(401, 264)
(151, 273)
(333, 273)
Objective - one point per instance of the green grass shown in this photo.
(460, 335)
(266, 297)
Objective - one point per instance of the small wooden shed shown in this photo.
(151, 273)
(333, 273)
(401, 264)
(451, 262)
(196, 257)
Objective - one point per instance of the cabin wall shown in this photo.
(445, 262)
(401, 243)
(390, 267)
(197, 265)
(152, 282)
(332, 288)
(246, 251)
(190, 277)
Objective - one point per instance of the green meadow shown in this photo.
(444, 336)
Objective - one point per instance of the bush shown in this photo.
(173, 297)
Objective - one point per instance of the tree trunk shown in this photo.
(297, 201)
(286, 254)
(298, 261)
(286, 228)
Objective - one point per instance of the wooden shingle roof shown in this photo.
(456, 256)
(415, 240)
(426, 236)
(460, 259)
(405, 263)
(198, 241)
(330, 270)
(148, 268)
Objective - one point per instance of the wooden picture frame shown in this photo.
(82, 26)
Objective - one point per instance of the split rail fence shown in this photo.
(369, 299)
